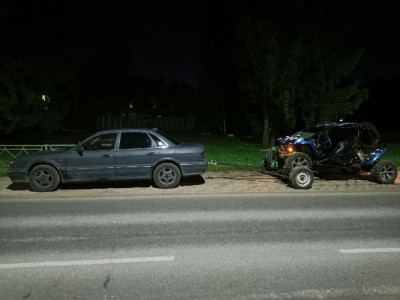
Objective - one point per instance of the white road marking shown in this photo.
(87, 262)
(348, 293)
(369, 250)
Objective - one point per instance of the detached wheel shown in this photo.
(166, 176)
(301, 178)
(297, 159)
(44, 178)
(384, 172)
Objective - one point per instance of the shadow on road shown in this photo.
(342, 176)
(185, 181)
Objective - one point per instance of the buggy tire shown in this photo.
(297, 159)
(301, 178)
(166, 176)
(263, 165)
(44, 178)
(266, 163)
(384, 172)
(270, 156)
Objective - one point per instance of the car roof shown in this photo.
(126, 130)
(338, 124)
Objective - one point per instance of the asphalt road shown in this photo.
(270, 246)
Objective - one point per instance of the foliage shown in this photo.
(34, 78)
(294, 69)
(393, 153)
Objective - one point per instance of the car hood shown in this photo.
(290, 140)
(40, 154)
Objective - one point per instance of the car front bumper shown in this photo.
(17, 175)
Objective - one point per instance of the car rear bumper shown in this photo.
(191, 169)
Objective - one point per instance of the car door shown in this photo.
(136, 155)
(94, 160)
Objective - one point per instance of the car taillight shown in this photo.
(290, 149)
(203, 154)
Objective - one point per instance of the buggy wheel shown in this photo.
(301, 178)
(266, 163)
(297, 159)
(270, 156)
(44, 178)
(263, 165)
(166, 176)
(384, 172)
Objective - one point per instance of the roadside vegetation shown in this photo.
(241, 152)
(238, 152)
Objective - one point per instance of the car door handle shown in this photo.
(107, 155)
(151, 154)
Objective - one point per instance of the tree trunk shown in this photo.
(268, 132)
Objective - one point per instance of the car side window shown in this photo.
(158, 141)
(134, 140)
(101, 142)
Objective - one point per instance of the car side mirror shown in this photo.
(79, 150)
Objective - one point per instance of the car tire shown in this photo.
(166, 176)
(301, 178)
(44, 178)
(384, 172)
(297, 159)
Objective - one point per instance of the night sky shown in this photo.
(165, 39)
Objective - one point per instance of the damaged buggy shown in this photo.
(326, 149)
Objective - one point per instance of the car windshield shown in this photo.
(308, 133)
(311, 132)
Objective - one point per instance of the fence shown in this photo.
(8, 152)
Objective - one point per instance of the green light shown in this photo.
(46, 99)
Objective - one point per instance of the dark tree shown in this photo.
(35, 83)
(222, 103)
(292, 61)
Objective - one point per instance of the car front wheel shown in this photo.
(44, 178)
(166, 176)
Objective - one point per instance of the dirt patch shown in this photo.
(238, 182)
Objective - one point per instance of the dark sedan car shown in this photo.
(112, 155)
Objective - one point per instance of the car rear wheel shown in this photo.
(301, 178)
(384, 172)
(166, 176)
(44, 178)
